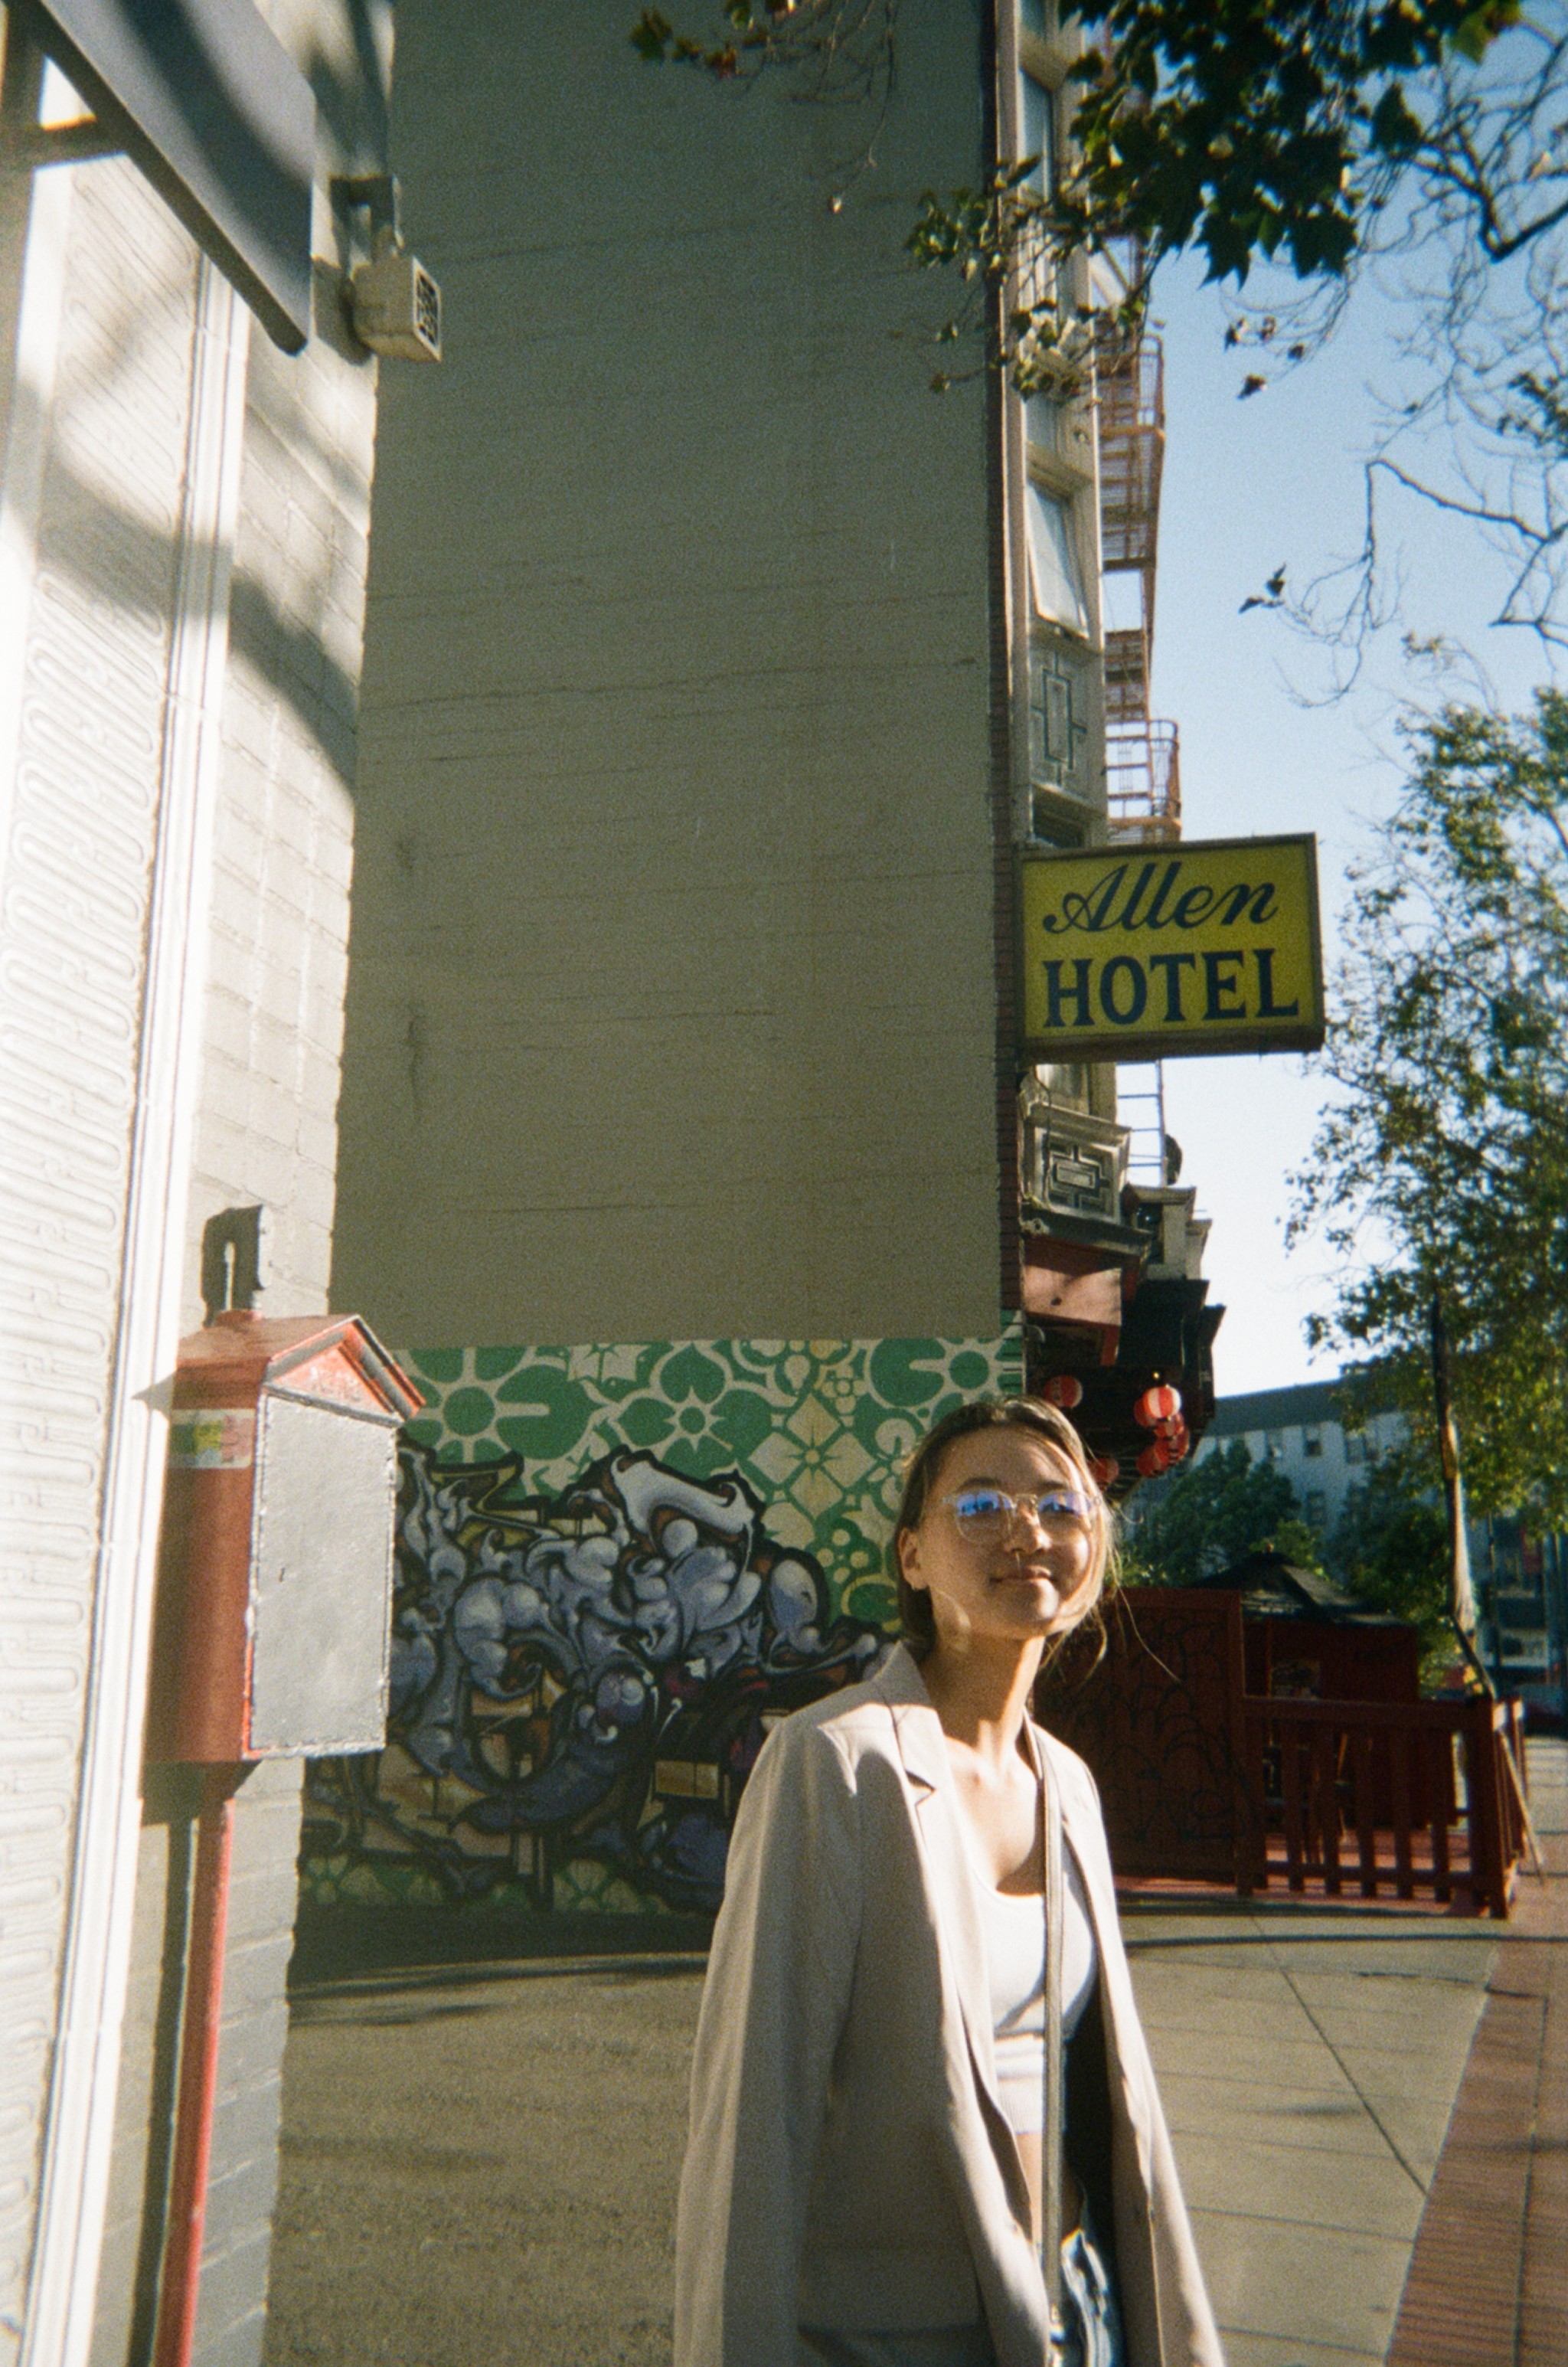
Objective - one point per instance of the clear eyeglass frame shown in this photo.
(987, 1514)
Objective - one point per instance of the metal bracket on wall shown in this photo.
(231, 1260)
(375, 194)
(25, 143)
(62, 143)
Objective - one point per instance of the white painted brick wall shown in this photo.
(284, 856)
(231, 2313)
(72, 931)
(267, 1128)
(71, 943)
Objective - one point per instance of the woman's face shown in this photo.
(1014, 1580)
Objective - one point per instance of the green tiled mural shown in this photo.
(616, 1566)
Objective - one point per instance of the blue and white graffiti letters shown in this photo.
(588, 1676)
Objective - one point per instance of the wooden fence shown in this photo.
(1203, 1782)
(1368, 1794)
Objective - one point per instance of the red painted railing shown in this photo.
(1367, 1794)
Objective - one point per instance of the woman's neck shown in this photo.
(980, 1692)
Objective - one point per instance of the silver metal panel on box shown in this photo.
(320, 1577)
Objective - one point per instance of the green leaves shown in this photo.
(1393, 128)
(655, 39)
(1445, 1141)
(1253, 127)
(1390, 1546)
(651, 34)
(1212, 1515)
(845, 47)
(1250, 130)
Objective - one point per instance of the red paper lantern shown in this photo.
(1063, 1390)
(1103, 1470)
(1154, 1458)
(1160, 1404)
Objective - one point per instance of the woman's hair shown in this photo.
(924, 1468)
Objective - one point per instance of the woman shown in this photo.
(868, 2181)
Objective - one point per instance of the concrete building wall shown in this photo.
(673, 1001)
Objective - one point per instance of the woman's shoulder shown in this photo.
(812, 1767)
(851, 1718)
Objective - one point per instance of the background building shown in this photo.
(1300, 1431)
(716, 673)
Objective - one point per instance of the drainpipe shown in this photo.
(199, 2030)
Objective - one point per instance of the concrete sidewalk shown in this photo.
(1309, 2065)
(481, 2162)
(1311, 2068)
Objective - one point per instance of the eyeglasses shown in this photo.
(985, 1514)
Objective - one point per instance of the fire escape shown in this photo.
(1143, 776)
(1117, 1324)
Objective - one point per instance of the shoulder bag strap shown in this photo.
(1051, 2138)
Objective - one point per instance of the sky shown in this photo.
(1251, 485)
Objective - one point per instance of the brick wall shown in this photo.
(92, 668)
(74, 923)
(278, 958)
(266, 1131)
(231, 2313)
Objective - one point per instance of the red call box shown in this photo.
(274, 1583)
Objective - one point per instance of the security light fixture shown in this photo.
(394, 302)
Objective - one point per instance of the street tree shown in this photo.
(1389, 1548)
(1440, 1168)
(1206, 1518)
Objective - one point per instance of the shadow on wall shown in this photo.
(584, 1677)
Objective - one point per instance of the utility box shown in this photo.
(274, 1584)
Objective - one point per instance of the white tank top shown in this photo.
(1015, 1960)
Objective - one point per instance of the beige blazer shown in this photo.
(848, 2163)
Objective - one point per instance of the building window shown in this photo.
(1037, 131)
(1355, 1446)
(1058, 719)
(1315, 1504)
(1311, 1442)
(1054, 581)
(1046, 424)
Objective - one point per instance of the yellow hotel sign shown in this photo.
(1146, 953)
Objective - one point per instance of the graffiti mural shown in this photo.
(590, 1675)
(589, 1647)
